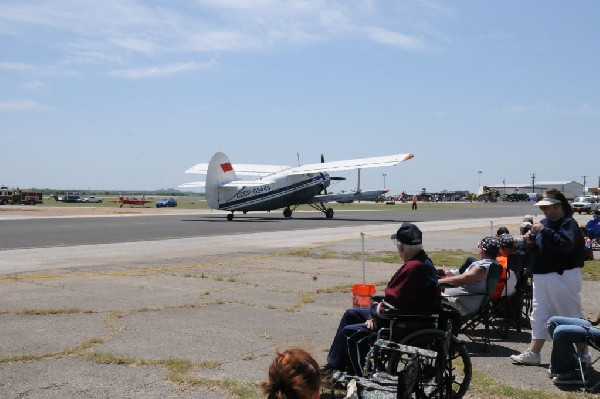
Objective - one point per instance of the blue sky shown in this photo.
(127, 94)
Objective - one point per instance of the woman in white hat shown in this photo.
(557, 254)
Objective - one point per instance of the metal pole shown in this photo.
(362, 238)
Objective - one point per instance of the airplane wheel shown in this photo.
(329, 213)
(287, 212)
(230, 217)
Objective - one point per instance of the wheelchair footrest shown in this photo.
(411, 350)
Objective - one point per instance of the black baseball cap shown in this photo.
(408, 234)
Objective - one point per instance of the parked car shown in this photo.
(166, 202)
(91, 199)
(586, 204)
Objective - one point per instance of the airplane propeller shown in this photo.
(339, 178)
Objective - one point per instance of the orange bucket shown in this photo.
(361, 295)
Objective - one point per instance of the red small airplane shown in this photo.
(126, 200)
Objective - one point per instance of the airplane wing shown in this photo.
(348, 197)
(361, 163)
(193, 184)
(247, 183)
(242, 169)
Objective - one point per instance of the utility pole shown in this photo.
(583, 185)
(384, 175)
(504, 184)
(533, 182)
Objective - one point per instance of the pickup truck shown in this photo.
(587, 204)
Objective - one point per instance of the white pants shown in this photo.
(554, 295)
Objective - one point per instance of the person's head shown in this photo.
(409, 240)
(488, 247)
(554, 204)
(525, 227)
(596, 214)
(501, 230)
(528, 219)
(293, 374)
(507, 244)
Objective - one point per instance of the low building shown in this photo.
(570, 189)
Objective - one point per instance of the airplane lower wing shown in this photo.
(367, 195)
(193, 184)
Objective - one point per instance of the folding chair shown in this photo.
(595, 243)
(468, 323)
(591, 343)
(506, 310)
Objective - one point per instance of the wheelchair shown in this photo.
(420, 356)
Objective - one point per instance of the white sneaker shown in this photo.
(528, 358)
(586, 358)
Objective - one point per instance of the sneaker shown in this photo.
(528, 358)
(573, 377)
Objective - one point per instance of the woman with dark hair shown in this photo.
(293, 374)
(557, 253)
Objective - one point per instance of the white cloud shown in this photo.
(19, 105)
(526, 109)
(35, 85)
(165, 70)
(396, 39)
(16, 66)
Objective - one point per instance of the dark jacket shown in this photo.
(414, 287)
(558, 247)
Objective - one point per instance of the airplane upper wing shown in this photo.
(361, 163)
(242, 169)
(193, 184)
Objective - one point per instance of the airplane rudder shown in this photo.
(220, 171)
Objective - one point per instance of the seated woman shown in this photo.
(472, 282)
(593, 226)
(569, 336)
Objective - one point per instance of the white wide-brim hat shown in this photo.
(547, 201)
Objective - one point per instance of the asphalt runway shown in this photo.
(71, 231)
(107, 320)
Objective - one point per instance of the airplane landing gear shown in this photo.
(321, 207)
(287, 212)
(230, 217)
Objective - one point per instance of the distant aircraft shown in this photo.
(281, 186)
(126, 200)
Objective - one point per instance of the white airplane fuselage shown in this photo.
(283, 192)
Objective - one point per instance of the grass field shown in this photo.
(199, 202)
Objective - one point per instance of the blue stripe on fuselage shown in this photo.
(293, 194)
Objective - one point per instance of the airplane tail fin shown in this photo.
(220, 171)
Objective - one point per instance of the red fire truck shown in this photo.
(27, 197)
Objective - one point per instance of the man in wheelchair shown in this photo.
(413, 288)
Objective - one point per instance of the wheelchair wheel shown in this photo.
(452, 378)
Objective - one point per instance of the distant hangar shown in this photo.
(571, 189)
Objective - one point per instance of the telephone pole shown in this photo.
(533, 182)
(583, 185)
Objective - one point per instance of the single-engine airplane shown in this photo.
(126, 200)
(281, 186)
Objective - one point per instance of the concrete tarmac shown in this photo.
(118, 320)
